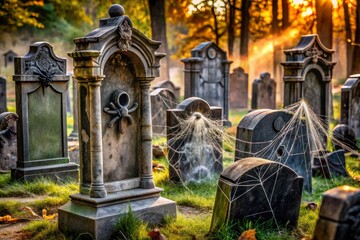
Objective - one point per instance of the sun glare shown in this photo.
(307, 12)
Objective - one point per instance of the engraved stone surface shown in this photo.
(2, 94)
(264, 92)
(239, 81)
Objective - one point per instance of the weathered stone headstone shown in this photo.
(344, 137)
(169, 85)
(3, 95)
(339, 216)
(330, 164)
(264, 92)
(162, 99)
(264, 133)
(114, 66)
(239, 81)
(257, 190)
(41, 92)
(207, 76)
(8, 148)
(190, 155)
(307, 75)
(9, 57)
(350, 103)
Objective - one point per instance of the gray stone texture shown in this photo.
(330, 164)
(245, 188)
(8, 147)
(256, 134)
(41, 91)
(207, 76)
(114, 66)
(3, 107)
(350, 103)
(185, 164)
(239, 87)
(263, 92)
(169, 85)
(307, 75)
(339, 216)
(162, 99)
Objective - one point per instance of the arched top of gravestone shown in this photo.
(351, 83)
(40, 60)
(115, 34)
(164, 91)
(309, 49)
(166, 84)
(239, 70)
(195, 104)
(208, 50)
(235, 171)
(265, 78)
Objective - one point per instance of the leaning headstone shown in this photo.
(350, 103)
(207, 76)
(41, 92)
(257, 190)
(114, 66)
(263, 92)
(3, 95)
(194, 153)
(169, 85)
(330, 164)
(264, 133)
(307, 75)
(162, 99)
(8, 146)
(239, 81)
(339, 216)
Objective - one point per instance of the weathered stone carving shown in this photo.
(125, 32)
(8, 148)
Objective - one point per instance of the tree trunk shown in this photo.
(275, 29)
(348, 35)
(356, 54)
(244, 34)
(231, 27)
(285, 13)
(324, 23)
(158, 31)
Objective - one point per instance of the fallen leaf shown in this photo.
(248, 235)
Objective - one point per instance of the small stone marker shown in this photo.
(330, 165)
(41, 91)
(191, 158)
(162, 99)
(239, 81)
(264, 92)
(257, 190)
(350, 103)
(255, 138)
(169, 85)
(3, 95)
(339, 216)
(8, 148)
(207, 76)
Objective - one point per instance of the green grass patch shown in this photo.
(44, 230)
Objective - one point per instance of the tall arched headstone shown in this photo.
(41, 94)
(307, 75)
(114, 66)
(239, 81)
(207, 76)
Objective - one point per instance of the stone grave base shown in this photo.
(57, 172)
(98, 216)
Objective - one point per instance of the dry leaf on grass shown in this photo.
(248, 235)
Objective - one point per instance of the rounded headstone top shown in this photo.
(116, 10)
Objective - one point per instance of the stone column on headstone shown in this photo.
(3, 95)
(146, 178)
(192, 74)
(226, 106)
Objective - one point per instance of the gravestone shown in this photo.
(207, 76)
(8, 146)
(162, 99)
(169, 85)
(264, 92)
(339, 216)
(9, 57)
(41, 93)
(114, 66)
(75, 131)
(350, 103)
(344, 137)
(307, 75)
(264, 133)
(330, 164)
(257, 190)
(239, 81)
(194, 153)
(3, 95)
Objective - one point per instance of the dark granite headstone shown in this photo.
(264, 92)
(350, 103)
(191, 155)
(344, 137)
(41, 94)
(339, 216)
(207, 76)
(264, 133)
(307, 75)
(169, 85)
(257, 190)
(3, 95)
(8, 148)
(330, 164)
(162, 99)
(114, 66)
(239, 81)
